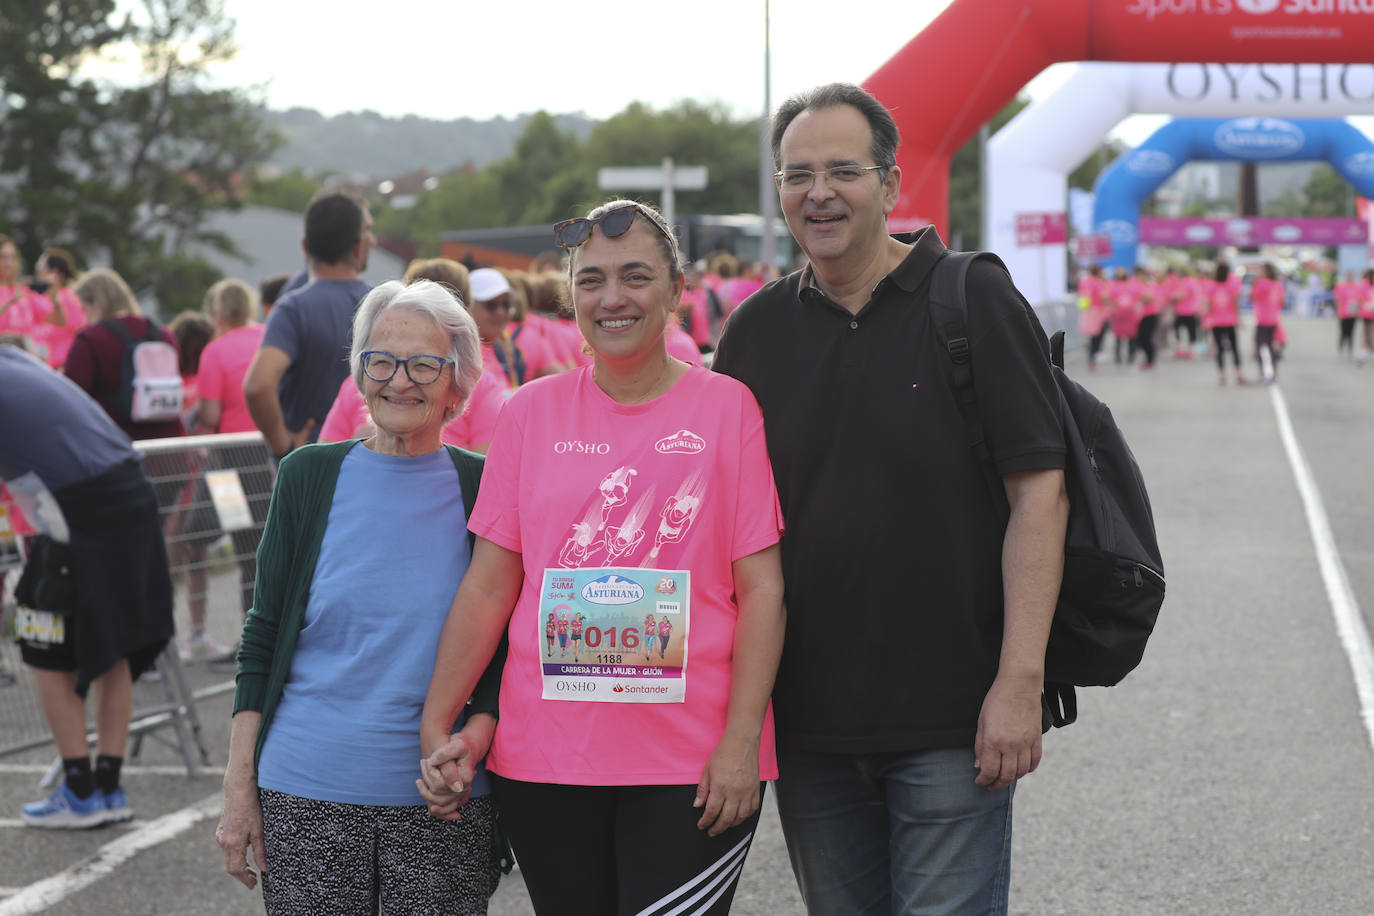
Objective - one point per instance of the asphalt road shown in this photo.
(1232, 773)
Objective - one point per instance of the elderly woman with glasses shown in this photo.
(363, 549)
(637, 485)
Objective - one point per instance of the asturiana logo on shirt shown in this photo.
(612, 589)
(681, 441)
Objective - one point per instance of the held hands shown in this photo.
(240, 828)
(729, 787)
(448, 773)
(1008, 745)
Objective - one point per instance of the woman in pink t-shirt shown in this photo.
(1093, 302)
(1266, 299)
(1223, 314)
(635, 488)
(1187, 294)
(1151, 301)
(22, 311)
(55, 271)
(1349, 296)
(1367, 316)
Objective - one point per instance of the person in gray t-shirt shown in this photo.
(303, 358)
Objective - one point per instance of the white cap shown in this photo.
(488, 283)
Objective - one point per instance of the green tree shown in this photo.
(965, 185)
(130, 170)
(1327, 193)
(291, 190)
(692, 134)
(48, 114)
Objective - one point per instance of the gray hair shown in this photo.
(440, 304)
(883, 145)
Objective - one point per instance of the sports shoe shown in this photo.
(63, 809)
(117, 809)
(202, 647)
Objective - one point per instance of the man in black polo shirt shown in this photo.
(908, 701)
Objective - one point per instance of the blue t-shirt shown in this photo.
(347, 728)
(313, 326)
(48, 425)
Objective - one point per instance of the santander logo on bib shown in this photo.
(681, 441)
(1258, 6)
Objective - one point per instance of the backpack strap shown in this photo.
(949, 314)
(116, 327)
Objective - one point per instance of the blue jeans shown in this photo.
(897, 833)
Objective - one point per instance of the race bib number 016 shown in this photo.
(615, 635)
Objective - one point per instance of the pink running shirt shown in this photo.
(223, 364)
(1348, 298)
(1266, 298)
(1223, 313)
(699, 446)
(57, 341)
(681, 345)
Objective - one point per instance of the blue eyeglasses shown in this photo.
(421, 369)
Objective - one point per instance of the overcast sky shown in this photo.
(455, 58)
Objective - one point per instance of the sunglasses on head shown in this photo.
(571, 233)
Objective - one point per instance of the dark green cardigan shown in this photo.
(287, 554)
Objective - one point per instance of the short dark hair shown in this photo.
(883, 145)
(333, 226)
(61, 261)
(270, 289)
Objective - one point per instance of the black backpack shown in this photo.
(1113, 583)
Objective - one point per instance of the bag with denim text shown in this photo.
(1113, 584)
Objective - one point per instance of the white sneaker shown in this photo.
(202, 647)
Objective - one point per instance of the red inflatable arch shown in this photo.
(962, 68)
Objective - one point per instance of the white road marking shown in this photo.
(1350, 625)
(41, 895)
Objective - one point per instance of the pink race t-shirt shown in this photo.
(1189, 291)
(475, 426)
(346, 415)
(56, 341)
(1223, 312)
(1366, 300)
(223, 364)
(539, 357)
(696, 302)
(25, 313)
(1152, 296)
(1266, 298)
(575, 480)
(558, 342)
(573, 341)
(681, 345)
(1348, 297)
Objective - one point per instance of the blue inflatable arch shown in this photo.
(1128, 181)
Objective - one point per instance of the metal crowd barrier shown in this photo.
(213, 493)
